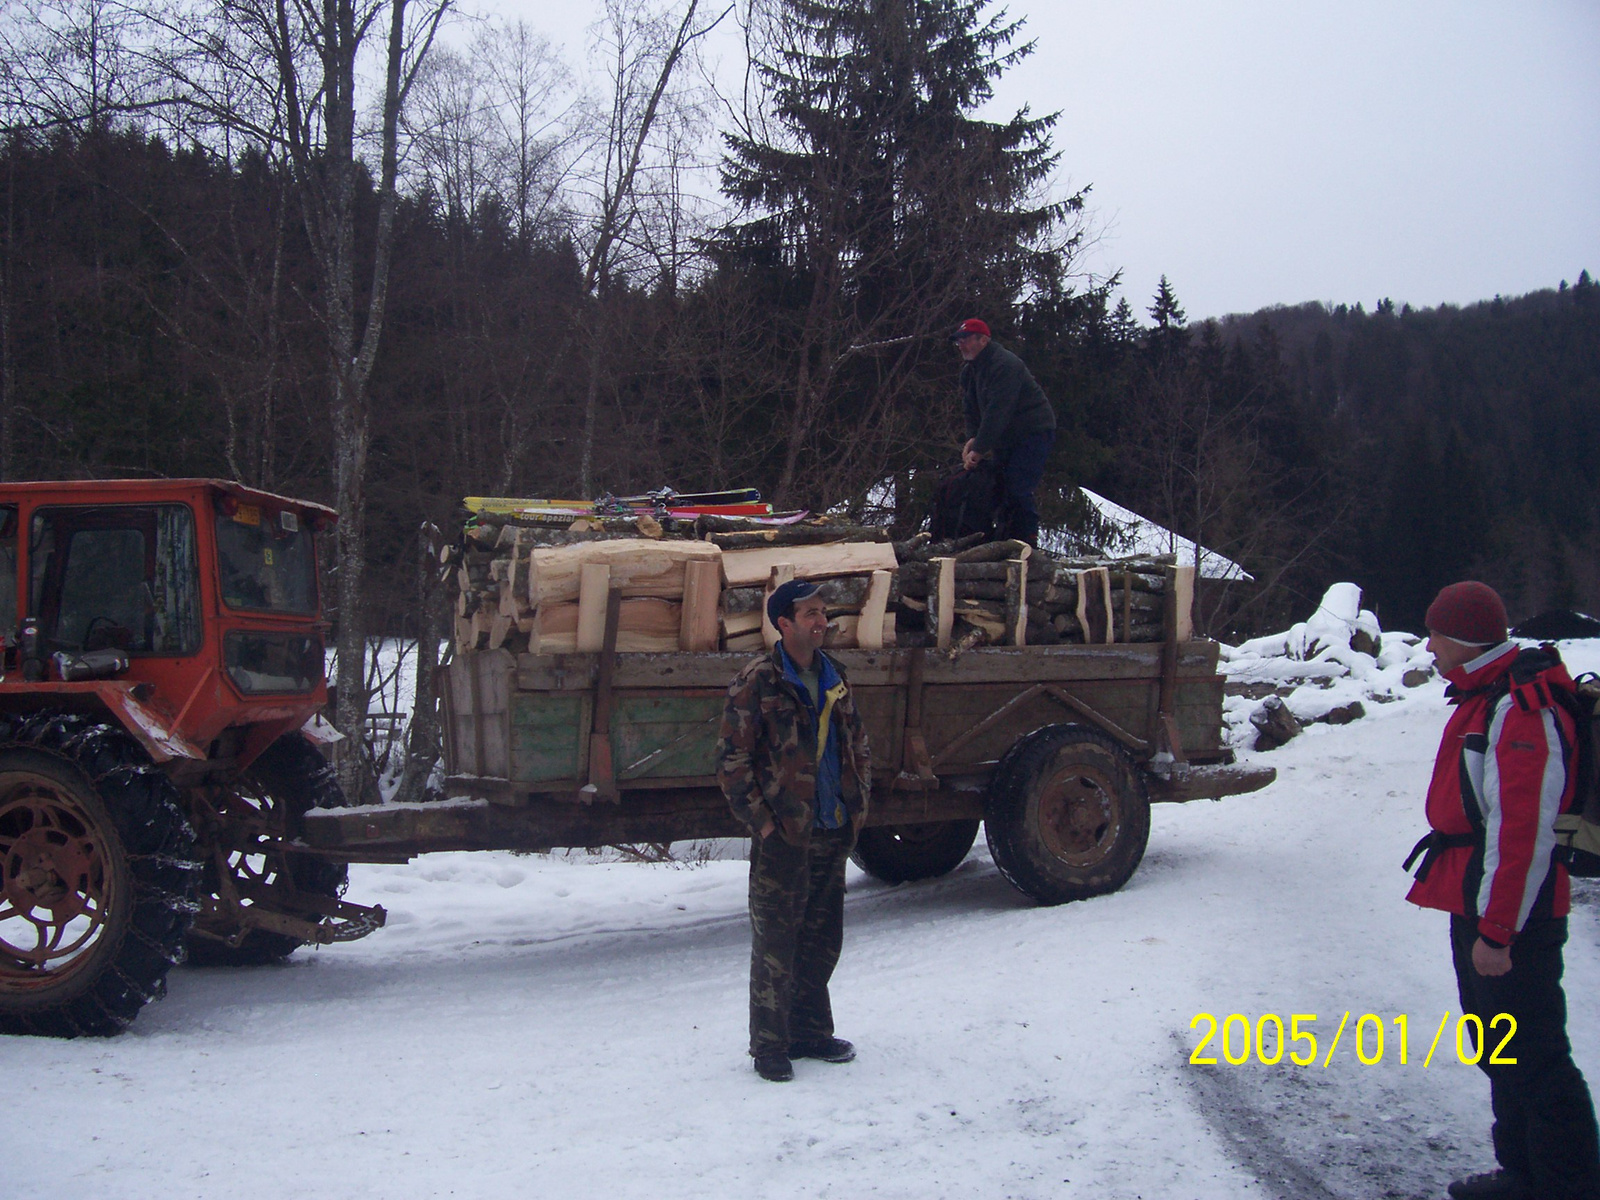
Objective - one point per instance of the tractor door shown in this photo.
(121, 577)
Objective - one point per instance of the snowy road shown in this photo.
(530, 1027)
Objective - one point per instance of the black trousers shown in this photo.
(1021, 469)
(796, 931)
(1544, 1125)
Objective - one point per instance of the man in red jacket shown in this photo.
(1499, 781)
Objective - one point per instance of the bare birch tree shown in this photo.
(288, 75)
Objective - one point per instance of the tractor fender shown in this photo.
(153, 730)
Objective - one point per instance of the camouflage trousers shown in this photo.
(796, 930)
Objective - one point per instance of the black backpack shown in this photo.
(965, 502)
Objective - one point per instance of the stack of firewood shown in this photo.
(973, 592)
(526, 587)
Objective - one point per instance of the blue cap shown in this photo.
(784, 597)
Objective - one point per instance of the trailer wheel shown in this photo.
(97, 877)
(903, 853)
(263, 808)
(1067, 815)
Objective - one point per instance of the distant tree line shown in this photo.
(491, 280)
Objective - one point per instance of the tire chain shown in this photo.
(165, 874)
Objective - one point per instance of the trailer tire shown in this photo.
(97, 877)
(291, 777)
(1067, 815)
(904, 853)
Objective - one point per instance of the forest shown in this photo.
(359, 262)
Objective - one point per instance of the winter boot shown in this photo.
(834, 1050)
(775, 1068)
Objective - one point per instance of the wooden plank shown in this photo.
(742, 568)
(548, 733)
(1094, 606)
(1183, 590)
(869, 633)
(988, 664)
(778, 574)
(594, 586)
(941, 600)
(1017, 600)
(656, 737)
(702, 591)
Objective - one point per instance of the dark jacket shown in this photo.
(1500, 779)
(767, 757)
(1001, 400)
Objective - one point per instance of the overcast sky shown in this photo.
(1263, 152)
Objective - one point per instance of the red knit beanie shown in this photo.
(1469, 612)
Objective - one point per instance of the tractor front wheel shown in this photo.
(259, 814)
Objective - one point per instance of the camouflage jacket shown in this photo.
(767, 756)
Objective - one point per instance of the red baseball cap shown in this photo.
(970, 325)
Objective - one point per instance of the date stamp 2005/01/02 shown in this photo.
(1269, 1041)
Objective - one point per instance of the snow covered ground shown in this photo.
(539, 1026)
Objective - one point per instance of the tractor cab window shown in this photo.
(8, 568)
(121, 577)
(267, 559)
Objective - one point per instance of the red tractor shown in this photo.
(160, 742)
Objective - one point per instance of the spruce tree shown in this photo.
(875, 210)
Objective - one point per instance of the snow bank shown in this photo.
(1320, 668)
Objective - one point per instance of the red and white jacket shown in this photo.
(1501, 774)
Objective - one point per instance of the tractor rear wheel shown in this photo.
(97, 880)
(1067, 815)
(903, 853)
(260, 812)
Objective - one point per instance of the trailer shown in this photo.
(1058, 751)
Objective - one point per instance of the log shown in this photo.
(639, 567)
(995, 552)
(702, 590)
(742, 600)
(797, 535)
(745, 641)
(737, 623)
(926, 551)
(744, 567)
(843, 633)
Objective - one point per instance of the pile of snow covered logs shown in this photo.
(545, 591)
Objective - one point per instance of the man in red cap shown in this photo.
(1500, 778)
(1009, 420)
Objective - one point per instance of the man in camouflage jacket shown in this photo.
(795, 767)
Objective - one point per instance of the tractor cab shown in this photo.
(194, 600)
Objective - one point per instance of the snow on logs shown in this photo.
(542, 591)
